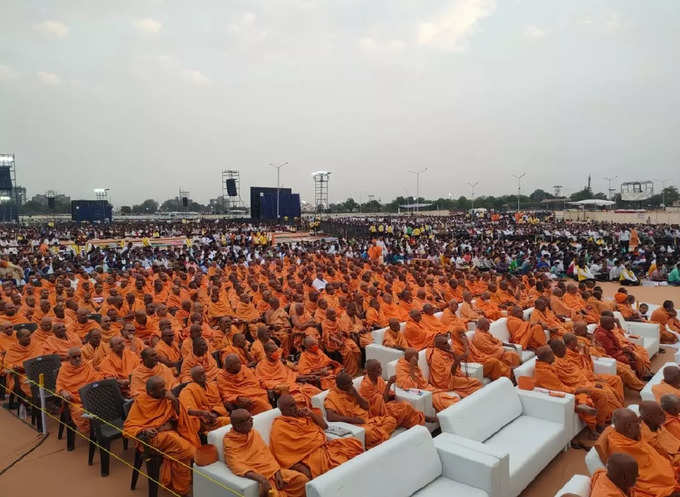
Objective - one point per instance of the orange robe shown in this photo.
(178, 445)
(60, 346)
(663, 441)
(549, 318)
(14, 361)
(602, 486)
(194, 397)
(248, 452)
(300, 440)
(665, 320)
(656, 476)
(337, 340)
(377, 428)
(662, 388)
(394, 339)
(310, 362)
(468, 314)
(82, 329)
(672, 424)
(141, 374)
(72, 379)
(119, 367)
(170, 353)
(418, 335)
(529, 336)
(403, 412)
(488, 351)
(490, 310)
(451, 322)
(441, 399)
(439, 363)
(94, 356)
(376, 318)
(623, 370)
(584, 364)
(273, 374)
(243, 384)
(206, 360)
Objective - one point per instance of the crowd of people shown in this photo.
(227, 324)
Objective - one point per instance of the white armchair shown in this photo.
(648, 334)
(499, 329)
(379, 352)
(577, 485)
(646, 393)
(414, 464)
(528, 427)
(356, 431)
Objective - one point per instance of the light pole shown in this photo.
(278, 184)
(609, 187)
(472, 192)
(663, 190)
(418, 173)
(519, 177)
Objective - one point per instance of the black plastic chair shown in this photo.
(95, 317)
(153, 461)
(103, 400)
(48, 365)
(26, 326)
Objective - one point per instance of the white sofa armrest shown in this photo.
(421, 400)
(649, 330)
(541, 405)
(217, 480)
(604, 365)
(578, 485)
(593, 461)
(355, 431)
(473, 468)
(383, 355)
(475, 445)
(473, 369)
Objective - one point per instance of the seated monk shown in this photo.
(21, 350)
(467, 311)
(119, 363)
(671, 405)
(313, 361)
(239, 387)
(445, 372)
(248, 456)
(381, 399)
(150, 366)
(617, 347)
(94, 350)
(167, 349)
(257, 347)
(157, 418)
(278, 321)
(375, 317)
(430, 321)
(618, 479)
(199, 356)
(298, 441)
(339, 341)
(61, 341)
(570, 374)
(656, 476)
(418, 336)
(277, 377)
(343, 403)
(393, 336)
(247, 315)
(670, 383)
(392, 310)
(561, 310)
(303, 325)
(43, 332)
(410, 376)
(203, 403)
(543, 316)
(667, 318)
(573, 300)
(239, 346)
(450, 320)
(546, 376)
(528, 336)
(487, 308)
(73, 375)
(489, 352)
(83, 324)
(654, 432)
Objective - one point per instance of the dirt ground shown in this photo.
(49, 467)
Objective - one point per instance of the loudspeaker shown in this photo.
(185, 201)
(231, 187)
(5, 178)
(50, 202)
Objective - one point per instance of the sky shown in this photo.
(145, 96)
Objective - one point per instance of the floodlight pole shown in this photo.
(418, 173)
(472, 192)
(519, 186)
(278, 184)
(609, 187)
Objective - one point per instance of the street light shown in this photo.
(609, 188)
(663, 190)
(472, 192)
(418, 173)
(278, 184)
(519, 186)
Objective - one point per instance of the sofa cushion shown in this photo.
(479, 416)
(217, 480)
(443, 486)
(261, 422)
(531, 443)
(398, 467)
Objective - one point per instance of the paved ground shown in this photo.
(49, 467)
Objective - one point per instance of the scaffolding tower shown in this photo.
(321, 190)
(231, 202)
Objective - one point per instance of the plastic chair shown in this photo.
(26, 326)
(48, 365)
(104, 404)
(153, 461)
(95, 317)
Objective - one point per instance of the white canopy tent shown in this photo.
(594, 201)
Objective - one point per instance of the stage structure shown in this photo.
(321, 190)
(9, 211)
(231, 190)
(183, 200)
(637, 191)
(265, 202)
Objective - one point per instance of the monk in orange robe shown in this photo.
(61, 341)
(450, 320)
(239, 386)
(313, 361)
(392, 310)
(393, 336)
(303, 325)
(274, 375)
(467, 311)
(380, 397)
(618, 479)
(409, 376)
(21, 350)
(654, 432)
(119, 363)
(375, 317)
(203, 403)
(74, 374)
(167, 349)
(417, 334)
(430, 321)
(670, 383)
(445, 372)
(278, 321)
(157, 418)
(83, 324)
(543, 316)
(656, 476)
(528, 336)
(573, 300)
(343, 403)
(94, 351)
(667, 318)
(150, 366)
(246, 313)
(670, 403)
(199, 356)
(298, 441)
(489, 352)
(43, 332)
(246, 455)
(339, 341)
(487, 308)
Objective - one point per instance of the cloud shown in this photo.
(534, 32)
(52, 29)
(450, 30)
(7, 73)
(148, 25)
(48, 78)
(246, 29)
(196, 77)
(370, 45)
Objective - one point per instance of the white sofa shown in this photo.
(413, 464)
(648, 333)
(529, 427)
(356, 431)
(646, 392)
(499, 329)
(577, 485)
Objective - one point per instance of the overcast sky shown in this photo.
(144, 96)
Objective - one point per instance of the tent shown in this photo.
(594, 201)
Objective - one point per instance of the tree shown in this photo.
(584, 194)
(126, 210)
(540, 195)
(372, 206)
(149, 206)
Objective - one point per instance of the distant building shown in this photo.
(59, 198)
(19, 193)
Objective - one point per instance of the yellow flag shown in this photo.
(187, 242)
(146, 242)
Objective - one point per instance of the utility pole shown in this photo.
(472, 192)
(278, 184)
(609, 188)
(418, 173)
(663, 190)
(519, 186)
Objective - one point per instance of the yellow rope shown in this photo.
(194, 470)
